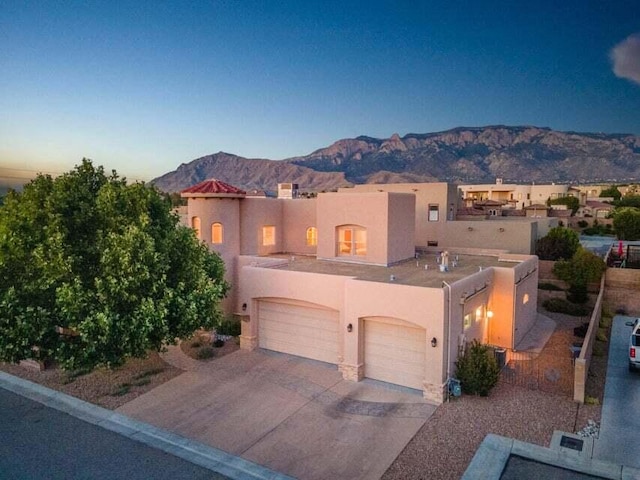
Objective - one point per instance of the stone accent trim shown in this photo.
(354, 373)
(435, 393)
(248, 342)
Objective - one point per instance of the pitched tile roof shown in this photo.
(213, 187)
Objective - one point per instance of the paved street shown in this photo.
(40, 442)
(620, 424)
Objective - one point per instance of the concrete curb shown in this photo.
(197, 453)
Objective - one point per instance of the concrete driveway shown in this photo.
(620, 423)
(290, 414)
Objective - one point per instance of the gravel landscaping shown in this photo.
(444, 446)
(109, 388)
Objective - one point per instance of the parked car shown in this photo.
(634, 345)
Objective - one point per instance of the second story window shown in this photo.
(217, 233)
(195, 224)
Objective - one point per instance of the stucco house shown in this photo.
(353, 278)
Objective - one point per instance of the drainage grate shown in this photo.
(572, 443)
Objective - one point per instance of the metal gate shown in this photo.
(548, 373)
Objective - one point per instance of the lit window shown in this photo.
(312, 236)
(352, 241)
(216, 233)
(268, 235)
(433, 213)
(468, 320)
(525, 299)
(195, 224)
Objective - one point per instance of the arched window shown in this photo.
(352, 240)
(195, 224)
(312, 236)
(217, 232)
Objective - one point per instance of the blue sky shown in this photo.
(142, 87)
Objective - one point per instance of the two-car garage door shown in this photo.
(394, 352)
(298, 329)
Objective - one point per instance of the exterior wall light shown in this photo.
(470, 229)
(489, 314)
(350, 328)
(244, 307)
(434, 342)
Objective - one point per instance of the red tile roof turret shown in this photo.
(213, 187)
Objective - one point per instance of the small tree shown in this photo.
(584, 267)
(612, 192)
(559, 243)
(626, 223)
(477, 369)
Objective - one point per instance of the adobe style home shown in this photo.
(379, 280)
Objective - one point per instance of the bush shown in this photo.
(601, 336)
(477, 369)
(205, 353)
(583, 223)
(560, 305)
(218, 343)
(577, 294)
(229, 326)
(549, 286)
(559, 243)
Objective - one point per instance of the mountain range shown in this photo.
(521, 154)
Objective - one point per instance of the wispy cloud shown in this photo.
(626, 58)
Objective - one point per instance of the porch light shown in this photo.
(350, 328)
(244, 307)
(489, 314)
(434, 342)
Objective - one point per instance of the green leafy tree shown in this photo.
(104, 263)
(612, 191)
(583, 268)
(626, 223)
(572, 203)
(559, 243)
(477, 369)
(628, 201)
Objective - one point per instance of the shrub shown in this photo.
(560, 305)
(605, 322)
(205, 353)
(559, 243)
(577, 294)
(583, 223)
(229, 326)
(591, 400)
(218, 343)
(601, 336)
(477, 369)
(549, 286)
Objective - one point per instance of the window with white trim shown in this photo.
(434, 212)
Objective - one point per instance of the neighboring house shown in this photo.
(336, 279)
(518, 196)
(595, 209)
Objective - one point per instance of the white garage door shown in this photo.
(394, 352)
(299, 330)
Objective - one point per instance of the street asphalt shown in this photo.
(38, 442)
(620, 424)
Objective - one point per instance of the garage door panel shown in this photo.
(299, 330)
(394, 353)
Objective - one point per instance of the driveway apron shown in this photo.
(290, 414)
